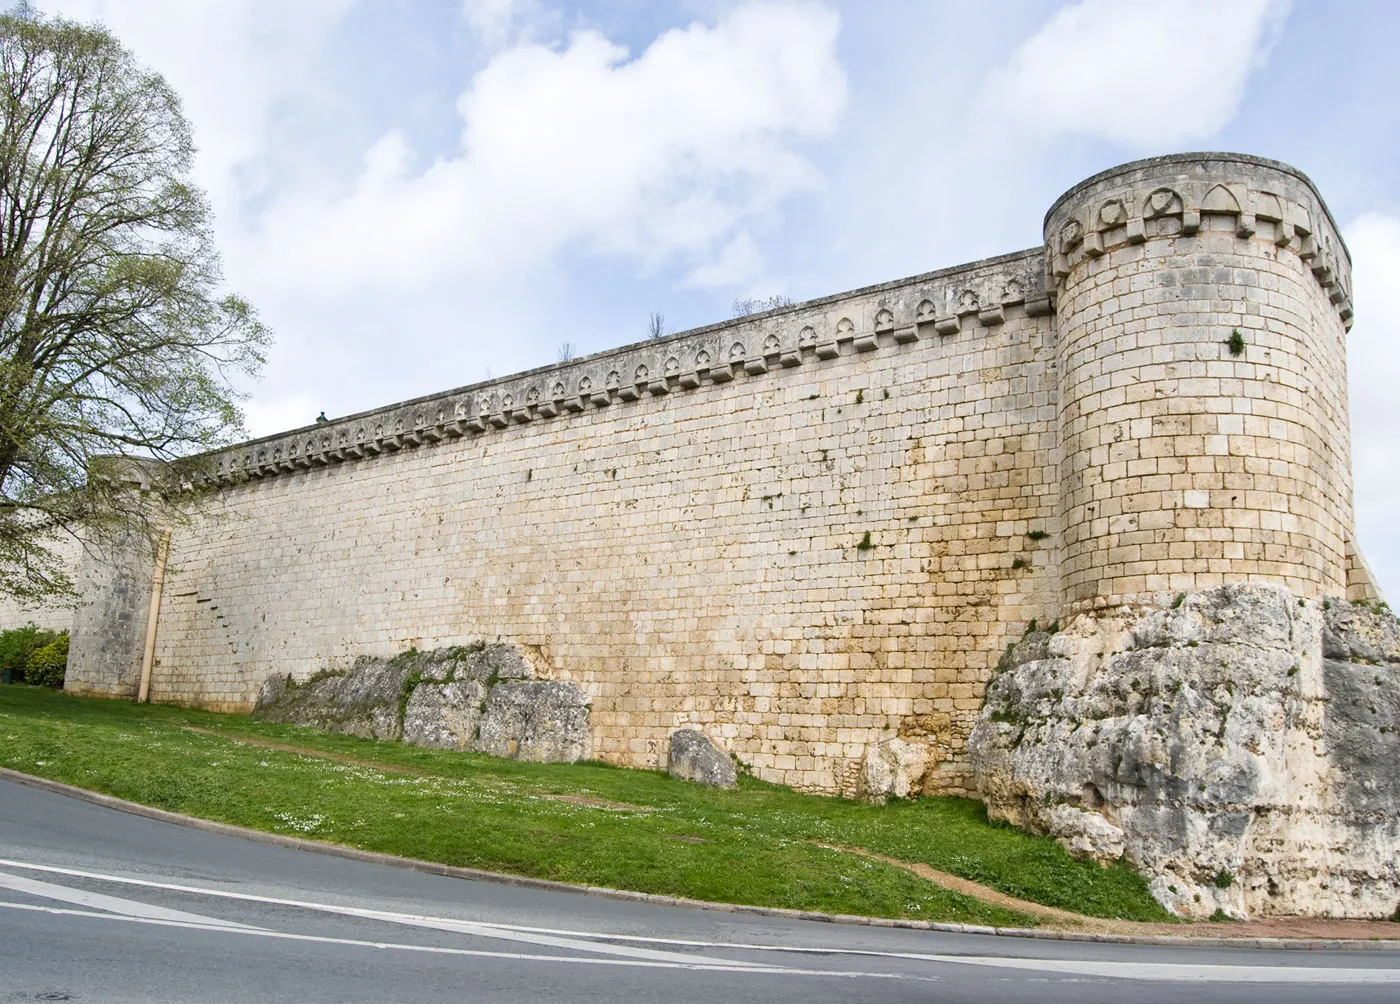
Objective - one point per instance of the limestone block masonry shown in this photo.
(813, 530)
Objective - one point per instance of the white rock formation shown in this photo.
(1240, 750)
(895, 768)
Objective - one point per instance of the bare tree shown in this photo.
(656, 325)
(114, 339)
(565, 352)
(758, 304)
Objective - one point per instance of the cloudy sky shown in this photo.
(418, 194)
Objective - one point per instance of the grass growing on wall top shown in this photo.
(644, 831)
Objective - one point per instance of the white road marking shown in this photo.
(1169, 971)
(1181, 973)
(1153, 971)
(112, 904)
(409, 920)
(257, 932)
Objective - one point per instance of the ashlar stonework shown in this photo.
(1239, 749)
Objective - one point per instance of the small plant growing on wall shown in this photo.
(865, 544)
(1235, 342)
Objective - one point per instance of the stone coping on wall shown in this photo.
(1183, 194)
(933, 306)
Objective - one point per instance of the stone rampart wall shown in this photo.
(814, 530)
(804, 531)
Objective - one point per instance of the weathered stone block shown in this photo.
(895, 768)
(693, 757)
(444, 715)
(541, 720)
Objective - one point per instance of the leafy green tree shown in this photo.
(19, 645)
(115, 339)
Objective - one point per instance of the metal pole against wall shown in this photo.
(148, 654)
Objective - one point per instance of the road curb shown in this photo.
(499, 878)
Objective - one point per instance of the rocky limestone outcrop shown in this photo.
(363, 702)
(692, 757)
(1239, 750)
(482, 698)
(543, 720)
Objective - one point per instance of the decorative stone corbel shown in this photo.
(884, 321)
(925, 315)
(1039, 306)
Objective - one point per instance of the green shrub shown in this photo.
(48, 665)
(18, 645)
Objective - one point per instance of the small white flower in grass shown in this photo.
(307, 825)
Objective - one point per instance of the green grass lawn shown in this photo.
(755, 845)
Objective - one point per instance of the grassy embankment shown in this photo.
(646, 831)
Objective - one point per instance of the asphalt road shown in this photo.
(99, 905)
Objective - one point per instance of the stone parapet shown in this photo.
(934, 306)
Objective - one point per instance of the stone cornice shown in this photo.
(936, 305)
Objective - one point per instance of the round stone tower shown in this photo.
(1202, 304)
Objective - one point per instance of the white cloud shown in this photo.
(1373, 359)
(739, 262)
(495, 21)
(662, 155)
(1148, 73)
(231, 62)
